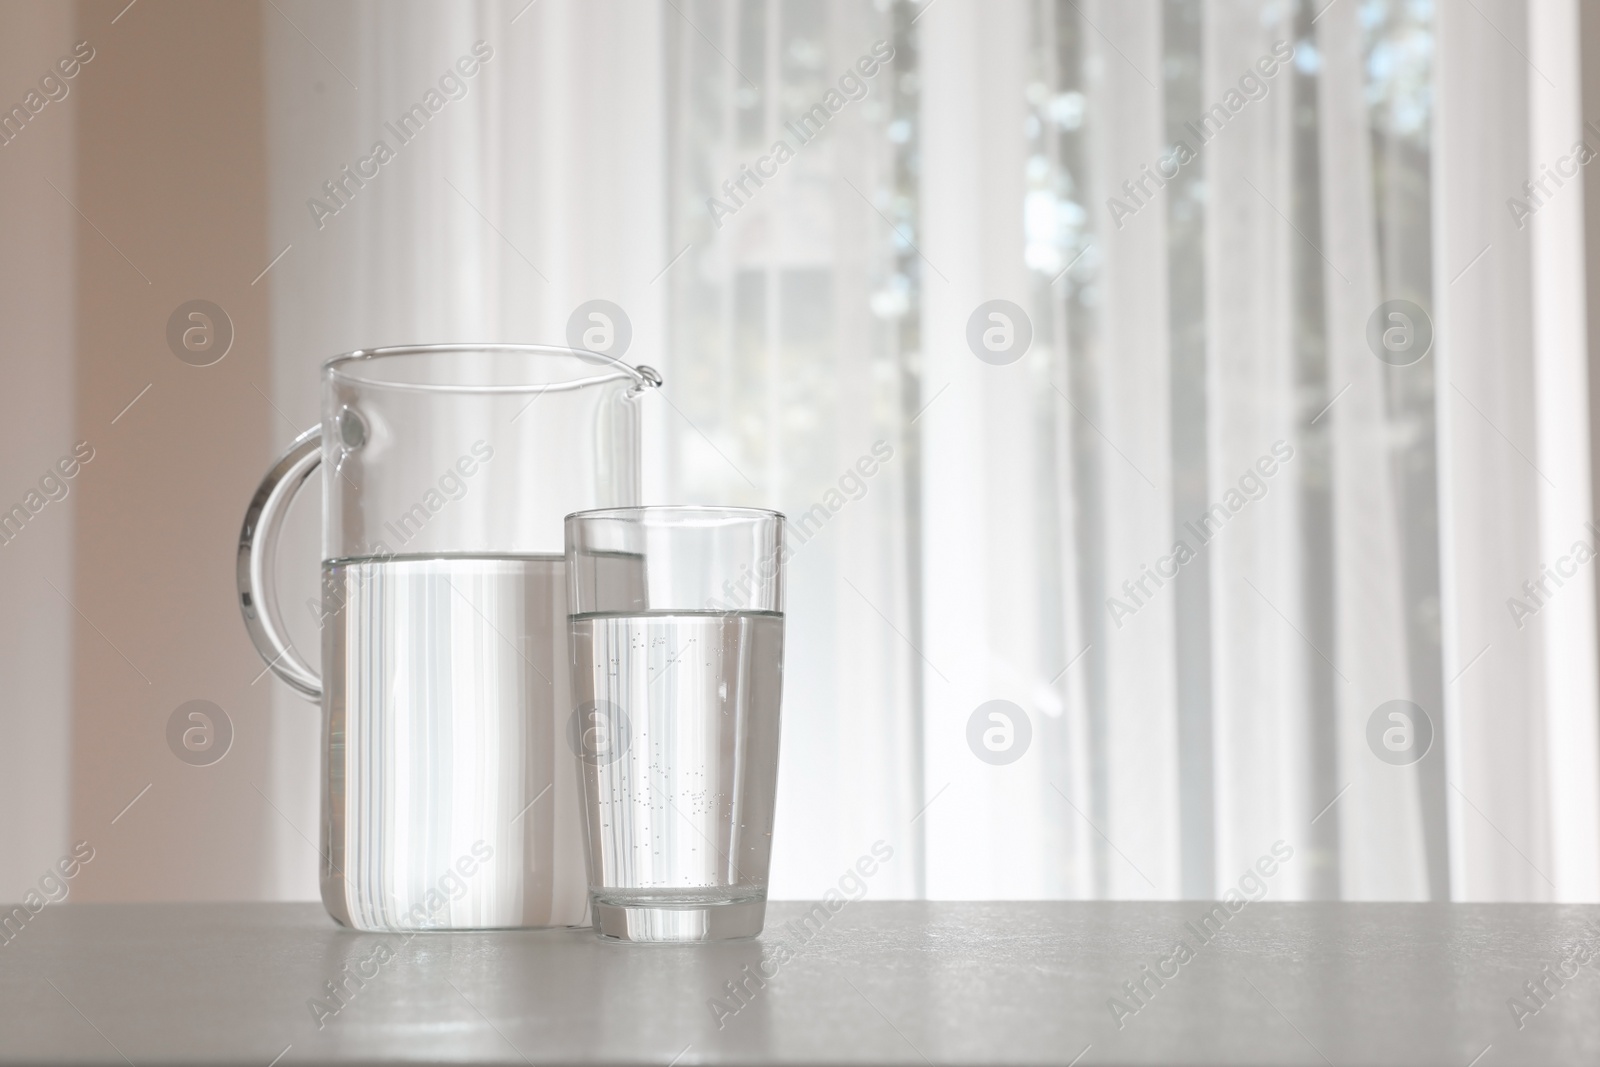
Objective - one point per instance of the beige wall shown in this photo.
(171, 170)
(36, 429)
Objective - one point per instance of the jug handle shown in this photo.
(258, 548)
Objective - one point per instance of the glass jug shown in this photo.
(449, 796)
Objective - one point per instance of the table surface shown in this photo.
(879, 983)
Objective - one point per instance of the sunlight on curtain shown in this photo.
(1513, 497)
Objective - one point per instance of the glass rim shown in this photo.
(714, 511)
(344, 368)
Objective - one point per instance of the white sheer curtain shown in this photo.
(1171, 351)
(1263, 696)
(1381, 817)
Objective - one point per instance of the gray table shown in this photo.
(901, 983)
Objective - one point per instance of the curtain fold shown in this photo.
(1566, 512)
(1380, 818)
(1129, 413)
(1513, 443)
(1265, 660)
(981, 510)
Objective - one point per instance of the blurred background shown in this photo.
(1227, 363)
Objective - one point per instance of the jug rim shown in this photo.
(609, 368)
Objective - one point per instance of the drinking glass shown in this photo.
(448, 799)
(676, 639)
